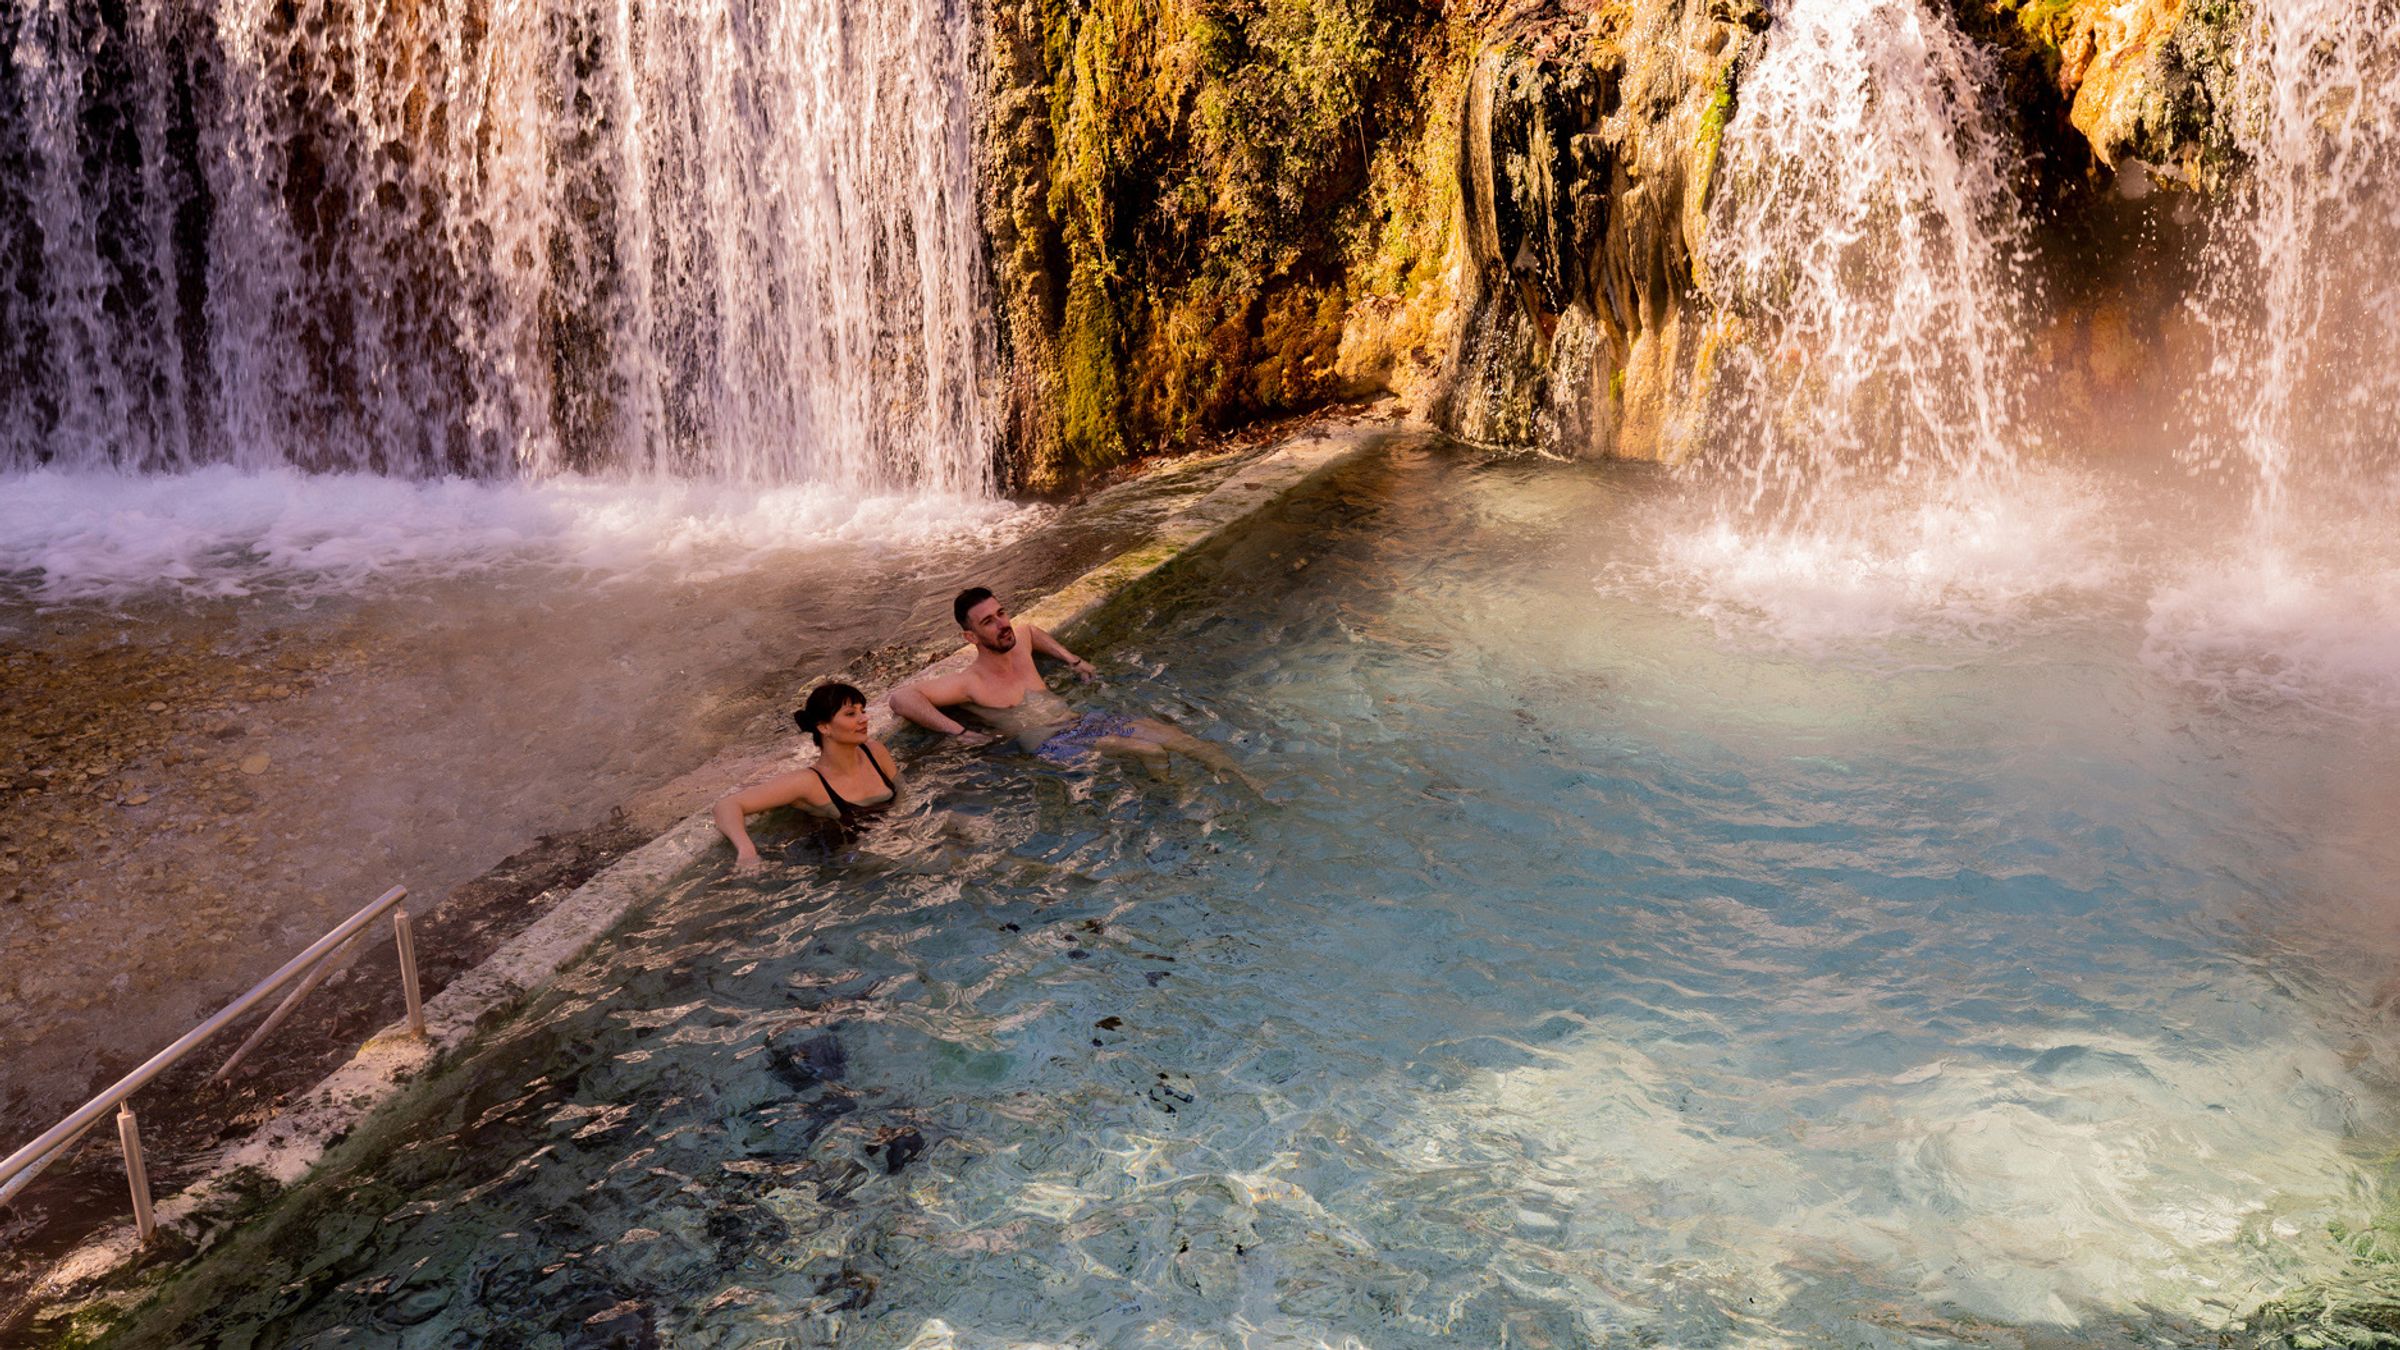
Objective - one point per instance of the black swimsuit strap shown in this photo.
(842, 807)
(888, 784)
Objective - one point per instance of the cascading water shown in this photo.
(2300, 299)
(1864, 246)
(2303, 299)
(493, 239)
(1866, 254)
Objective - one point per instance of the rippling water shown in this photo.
(1601, 970)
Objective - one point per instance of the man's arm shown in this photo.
(920, 701)
(1046, 645)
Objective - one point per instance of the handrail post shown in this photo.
(404, 933)
(129, 1134)
(18, 1168)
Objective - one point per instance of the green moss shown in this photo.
(1090, 393)
(2048, 24)
(1616, 386)
(1712, 131)
(1216, 183)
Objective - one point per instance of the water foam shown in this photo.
(2272, 625)
(106, 536)
(1938, 563)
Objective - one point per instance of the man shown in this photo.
(1003, 690)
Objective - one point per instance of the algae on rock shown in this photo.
(1206, 211)
(1589, 146)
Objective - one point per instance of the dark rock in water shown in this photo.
(803, 1065)
(850, 1289)
(898, 1147)
(416, 1305)
(627, 1325)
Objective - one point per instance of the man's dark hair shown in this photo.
(967, 600)
(823, 702)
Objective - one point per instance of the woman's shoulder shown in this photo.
(883, 758)
(800, 785)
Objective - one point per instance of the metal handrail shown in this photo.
(22, 1166)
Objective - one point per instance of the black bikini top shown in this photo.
(850, 812)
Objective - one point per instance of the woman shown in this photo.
(853, 780)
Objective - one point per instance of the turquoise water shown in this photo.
(1606, 967)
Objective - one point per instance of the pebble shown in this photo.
(158, 707)
(137, 799)
(255, 765)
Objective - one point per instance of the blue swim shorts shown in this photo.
(1075, 740)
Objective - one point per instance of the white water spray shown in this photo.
(488, 238)
(1866, 253)
(1865, 245)
(2303, 298)
(2300, 602)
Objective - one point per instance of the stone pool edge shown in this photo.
(282, 1152)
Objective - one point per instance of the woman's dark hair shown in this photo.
(823, 702)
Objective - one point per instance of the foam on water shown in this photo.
(2273, 625)
(1899, 564)
(2302, 608)
(219, 531)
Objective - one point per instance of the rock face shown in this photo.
(1203, 212)
(1589, 144)
(2147, 80)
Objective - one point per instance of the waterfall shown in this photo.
(1865, 251)
(1867, 264)
(731, 239)
(2303, 291)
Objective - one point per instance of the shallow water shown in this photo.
(258, 700)
(1633, 950)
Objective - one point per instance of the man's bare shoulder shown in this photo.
(940, 689)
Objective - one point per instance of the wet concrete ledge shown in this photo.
(85, 1287)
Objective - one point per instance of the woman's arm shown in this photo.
(789, 789)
